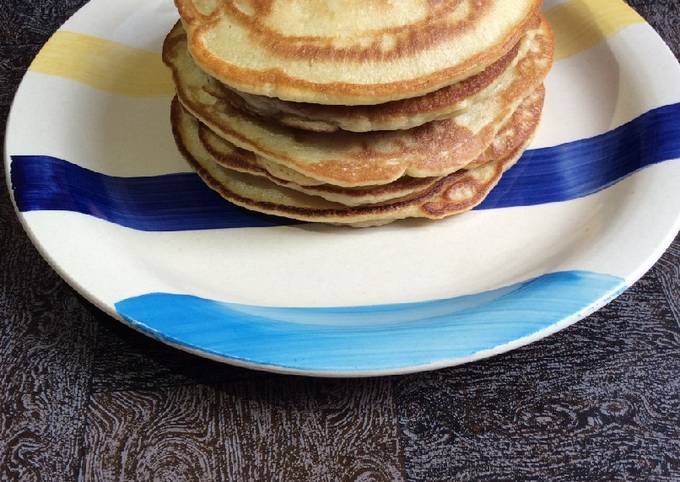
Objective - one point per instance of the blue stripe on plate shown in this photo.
(170, 202)
(369, 338)
(181, 201)
(583, 167)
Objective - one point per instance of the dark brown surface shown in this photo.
(84, 396)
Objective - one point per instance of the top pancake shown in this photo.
(350, 52)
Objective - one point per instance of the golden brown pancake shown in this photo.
(231, 157)
(521, 127)
(350, 52)
(516, 132)
(450, 195)
(361, 159)
(398, 114)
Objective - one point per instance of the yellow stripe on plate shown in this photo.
(104, 65)
(582, 24)
(116, 68)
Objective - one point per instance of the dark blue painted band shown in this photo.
(583, 167)
(176, 202)
(170, 202)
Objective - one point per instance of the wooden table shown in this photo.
(82, 395)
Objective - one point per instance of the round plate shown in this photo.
(110, 203)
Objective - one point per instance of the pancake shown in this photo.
(521, 126)
(360, 159)
(401, 114)
(231, 157)
(453, 194)
(515, 133)
(350, 52)
(395, 115)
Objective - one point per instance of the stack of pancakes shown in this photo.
(357, 112)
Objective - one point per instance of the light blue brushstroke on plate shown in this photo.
(369, 338)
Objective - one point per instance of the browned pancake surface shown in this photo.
(350, 52)
(398, 114)
(450, 195)
(362, 159)
(516, 132)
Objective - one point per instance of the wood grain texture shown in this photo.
(45, 358)
(127, 360)
(167, 434)
(599, 401)
(301, 429)
(31, 22)
(664, 16)
(45, 335)
(667, 270)
(281, 429)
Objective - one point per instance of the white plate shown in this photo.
(109, 202)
